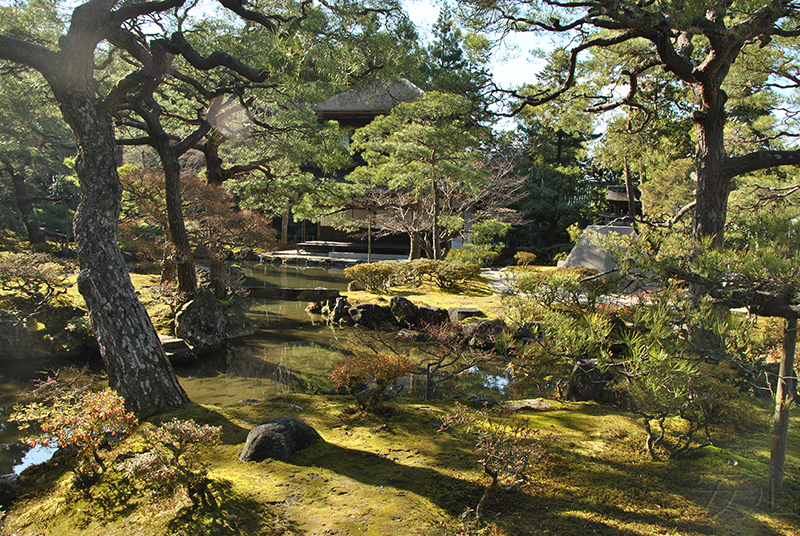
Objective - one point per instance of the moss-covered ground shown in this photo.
(395, 473)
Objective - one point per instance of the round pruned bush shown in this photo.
(446, 275)
(376, 276)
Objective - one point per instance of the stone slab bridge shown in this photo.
(292, 294)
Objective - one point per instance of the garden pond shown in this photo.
(292, 351)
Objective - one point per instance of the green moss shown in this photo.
(479, 295)
(396, 474)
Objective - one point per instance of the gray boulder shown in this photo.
(201, 323)
(404, 311)
(354, 286)
(457, 314)
(589, 251)
(279, 439)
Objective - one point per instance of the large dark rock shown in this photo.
(279, 439)
(404, 311)
(201, 323)
(431, 315)
(484, 334)
(15, 339)
(247, 254)
(589, 382)
(369, 314)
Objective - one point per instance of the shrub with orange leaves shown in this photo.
(67, 413)
(360, 369)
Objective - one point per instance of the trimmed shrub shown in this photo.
(377, 276)
(480, 254)
(446, 275)
(524, 258)
(563, 285)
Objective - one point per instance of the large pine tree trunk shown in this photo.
(415, 245)
(713, 184)
(285, 225)
(135, 361)
(187, 278)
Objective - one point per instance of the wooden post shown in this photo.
(786, 389)
(630, 191)
(369, 236)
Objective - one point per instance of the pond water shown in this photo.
(293, 351)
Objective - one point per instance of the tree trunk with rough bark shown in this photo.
(285, 226)
(415, 249)
(630, 191)
(215, 173)
(137, 366)
(713, 183)
(182, 256)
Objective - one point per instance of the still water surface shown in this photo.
(292, 351)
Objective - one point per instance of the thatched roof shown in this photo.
(364, 102)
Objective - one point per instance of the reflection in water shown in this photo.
(289, 353)
(292, 351)
(35, 455)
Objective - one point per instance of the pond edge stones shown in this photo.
(279, 439)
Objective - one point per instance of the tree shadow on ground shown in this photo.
(447, 492)
(627, 498)
(232, 514)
